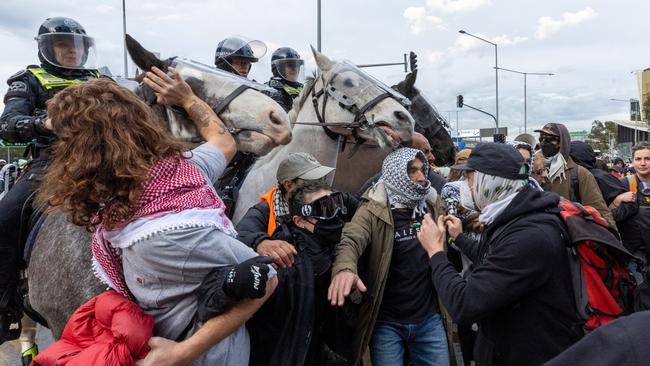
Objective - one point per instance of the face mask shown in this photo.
(329, 230)
(550, 149)
(466, 199)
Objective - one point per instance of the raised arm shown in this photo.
(175, 91)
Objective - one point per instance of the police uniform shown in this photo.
(286, 92)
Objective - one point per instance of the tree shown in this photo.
(600, 135)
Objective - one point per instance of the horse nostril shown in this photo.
(401, 116)
(274, 119)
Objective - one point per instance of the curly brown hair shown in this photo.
(108, 140)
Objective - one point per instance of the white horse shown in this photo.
(60, 274)
(342, 104)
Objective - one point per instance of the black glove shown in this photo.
(247, 280)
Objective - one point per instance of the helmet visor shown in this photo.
(290, 69)
(242, 47)
(68, 50)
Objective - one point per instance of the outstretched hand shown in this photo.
(168, 90)
(164, 352)
(341, 286)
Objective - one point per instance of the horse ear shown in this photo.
(323, 62)
(144, 59)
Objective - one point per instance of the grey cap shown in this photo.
(303, 166)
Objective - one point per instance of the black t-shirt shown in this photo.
(409, 296)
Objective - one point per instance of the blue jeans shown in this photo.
(426, 342)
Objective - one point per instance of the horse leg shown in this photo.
(28, 347)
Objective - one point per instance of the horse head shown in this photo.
(428, 121)
(258, 123)
(360, 107)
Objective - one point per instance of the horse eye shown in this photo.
(348, 82)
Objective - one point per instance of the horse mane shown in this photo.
(310, 82)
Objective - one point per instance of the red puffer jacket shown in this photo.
(107, 330)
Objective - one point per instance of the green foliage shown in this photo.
(600, 134)
(646, 109)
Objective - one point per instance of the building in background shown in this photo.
(629, 132)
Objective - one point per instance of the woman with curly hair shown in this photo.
(160, 235)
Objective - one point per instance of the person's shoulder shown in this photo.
(23, 75)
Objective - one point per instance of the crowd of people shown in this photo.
(422, 266)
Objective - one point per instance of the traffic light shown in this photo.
(413, 61)
(459, 101)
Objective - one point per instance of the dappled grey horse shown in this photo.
(60, 274)
(342, 105)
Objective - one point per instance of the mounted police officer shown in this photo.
(237, 54)
(288, 75)
(67, 56)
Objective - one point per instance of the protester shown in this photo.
(297, 326)
(399, 312)
(259, 223)
(520, 290)
(564, 176)
(633, 206)
(157, 222)
(421, 143)
(288, 75)
(583, 155)
(67, 57)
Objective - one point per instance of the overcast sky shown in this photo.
(592, 46)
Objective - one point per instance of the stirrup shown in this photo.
(28, 355)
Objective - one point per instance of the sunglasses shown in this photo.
(326, 207)
(549, 138)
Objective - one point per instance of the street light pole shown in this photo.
(496, 70)
(126, 65)
(525, 74)
(318, 45)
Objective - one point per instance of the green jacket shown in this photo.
(371, 230)
(589, 192)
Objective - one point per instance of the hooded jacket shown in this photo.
(589, 192)
(520, 290)
(583, 155)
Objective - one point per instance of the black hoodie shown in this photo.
(520, 291)
(582, 154)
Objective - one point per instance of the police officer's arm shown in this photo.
(175, 91)
(20, 120)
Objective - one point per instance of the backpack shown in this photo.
(603, 287)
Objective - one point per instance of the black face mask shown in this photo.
(550, 149)
(329, 230)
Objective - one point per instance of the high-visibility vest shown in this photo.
(49, 81)
(268, 198)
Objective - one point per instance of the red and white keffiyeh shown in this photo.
(173, 185)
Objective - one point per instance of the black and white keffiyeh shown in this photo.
(402, 191)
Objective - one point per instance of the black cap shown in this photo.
(500, 160)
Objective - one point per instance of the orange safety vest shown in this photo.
(268, 198)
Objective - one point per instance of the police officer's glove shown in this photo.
(247, 280)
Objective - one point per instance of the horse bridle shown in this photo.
(360, 122)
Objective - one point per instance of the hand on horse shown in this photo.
(432, 233)
(341, 286)
(164, 352)
(169, 91)
(281, 252)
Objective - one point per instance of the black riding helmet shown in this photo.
(285, 57)
(237, 47)
(58, 31)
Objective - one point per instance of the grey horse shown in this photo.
(343, 103)
(59, 273)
